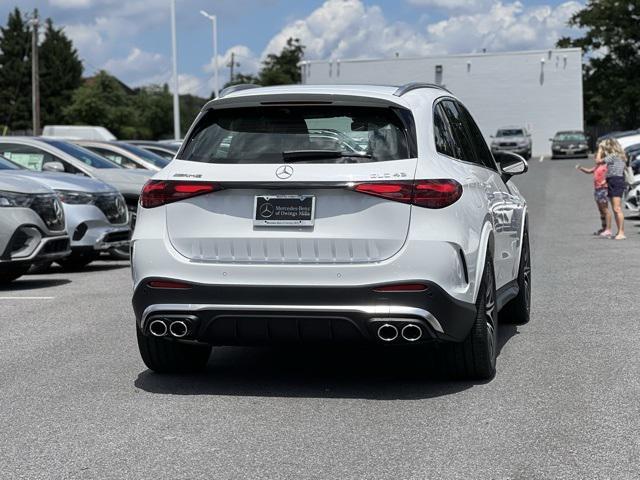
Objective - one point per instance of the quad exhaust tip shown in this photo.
(387, 332)
(411, 332)
(158, 328)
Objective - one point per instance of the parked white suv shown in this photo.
(256, 233)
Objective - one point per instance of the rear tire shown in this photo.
(517, 311)
(77, 261)
(166, 356)
(9, 273)
(475, 357)
(40, 267)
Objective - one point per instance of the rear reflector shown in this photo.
(168, 284)
(402, 287)
(438, 193)
(160, 192)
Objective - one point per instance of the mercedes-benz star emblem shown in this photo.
(284, 172)
(266, 210)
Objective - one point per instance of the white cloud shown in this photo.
(504, 27)
(70, 3)
(466, 5)
(246, 61)
(138, 66)
(349, 29)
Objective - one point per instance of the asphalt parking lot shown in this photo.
(76, 401)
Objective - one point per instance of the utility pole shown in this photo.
(176, 97)
(35, 75)
(232, 64)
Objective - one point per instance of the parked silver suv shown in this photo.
(512, 139)
(31, 226)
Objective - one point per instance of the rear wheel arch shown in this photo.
(485, 247)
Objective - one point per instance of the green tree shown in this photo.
(15, 73)
(60, 73)
(611, 42)
(153, 105)
(283, 68)
(190, 106)
(102, 100)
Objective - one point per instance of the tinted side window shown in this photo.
(114, 157)
(459, 131)
(31, 157)
(480, 146)
(442, 134)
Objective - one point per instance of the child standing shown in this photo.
(600, 193)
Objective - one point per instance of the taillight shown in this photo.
(438, 193)
(160, 192)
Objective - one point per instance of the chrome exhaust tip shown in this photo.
(179, 329)
(387, 332)
(158, 328)
(411, 332)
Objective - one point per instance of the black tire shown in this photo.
(40, 267)
(77, 261)
(8, 273)
(167, 356)
(517, 311)
(475, 357)
(120, 253)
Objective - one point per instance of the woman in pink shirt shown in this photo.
(600, 194)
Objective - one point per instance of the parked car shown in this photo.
(126, 155)
(569, 144)
(633, 155)
(165, 150)
(96, 213)
(48, 154)
(512, 139)
(616, 135)
(328, 138)
(423, 238)
(76, 132)
(627, 141)
(32, 226)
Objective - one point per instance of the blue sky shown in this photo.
(131, 38)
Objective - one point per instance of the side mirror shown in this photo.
(53, 167)
(511, 164)
(492, 136)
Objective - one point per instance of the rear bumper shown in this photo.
(250, 315)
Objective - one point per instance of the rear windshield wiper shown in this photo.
(292, 156)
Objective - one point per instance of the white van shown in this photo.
(78, 132)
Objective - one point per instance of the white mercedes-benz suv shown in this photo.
(399, 227)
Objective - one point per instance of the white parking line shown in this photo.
(27, 298)
(541, 158)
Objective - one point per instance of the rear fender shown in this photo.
(486, 245)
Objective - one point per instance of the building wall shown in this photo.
(541, 90)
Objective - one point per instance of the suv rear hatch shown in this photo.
(281, 185)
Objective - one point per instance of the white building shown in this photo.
(538, 89)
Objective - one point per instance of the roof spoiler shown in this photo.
(407, 87)
(237, 88)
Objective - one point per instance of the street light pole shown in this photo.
(176, 97)
(214, 24)
(35, 76)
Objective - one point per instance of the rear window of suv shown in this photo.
(277, 134)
